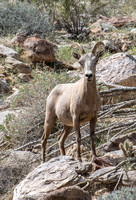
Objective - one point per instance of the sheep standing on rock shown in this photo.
(75, 103)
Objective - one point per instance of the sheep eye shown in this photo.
(96, 61)
(81, 63)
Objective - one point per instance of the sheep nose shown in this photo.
(89, 75)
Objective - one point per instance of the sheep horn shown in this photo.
(79, 47)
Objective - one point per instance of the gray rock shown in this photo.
(4, 113)
(67, 193)
(17, 66)
(48, 177)
(100, 26)
(119, 68)
(24, 77)
(107, 27)
(14, 168)
(113, 144)
(4, 87)
(109, 175)
(109, 46)
(129, 178)
(6, 52)
(133, 31)
(114, 157)
(105, 176)
(13, 96)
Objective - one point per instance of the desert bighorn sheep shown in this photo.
(75, 103)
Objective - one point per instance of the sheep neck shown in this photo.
(90, 90)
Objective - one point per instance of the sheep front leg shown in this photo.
(76, 124)
(65, 133)
(92, 134)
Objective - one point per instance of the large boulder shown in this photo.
(48, 177)
(38, 50)
(67, 193)
(6, 52)
(17, 66)
(119, 68)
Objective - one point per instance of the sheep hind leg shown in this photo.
(98, 161)
(48, 125)
(65, 133)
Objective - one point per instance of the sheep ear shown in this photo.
(99, 49)
(76, 55)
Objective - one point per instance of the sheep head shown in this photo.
(89, 60)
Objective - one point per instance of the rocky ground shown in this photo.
(64, 177)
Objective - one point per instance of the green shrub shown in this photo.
(75, 15)
(2, 128)
(133, 51)
(126, 193)
(23, 17)
(107, 54)
(64, 54)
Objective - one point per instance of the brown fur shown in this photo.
(74, 104)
